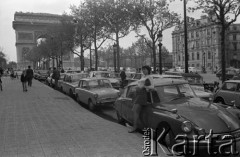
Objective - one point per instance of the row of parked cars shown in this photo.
(173, 105)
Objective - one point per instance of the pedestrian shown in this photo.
(1, 74)
(29, 75)
(123, 77)
(139, 101)
(24, 80)
(146, 70)
(56, 76)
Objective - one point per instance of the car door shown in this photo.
(84, 91)
(127, 103)
(228, 92)
(237, 100)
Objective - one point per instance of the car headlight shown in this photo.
(186, 126)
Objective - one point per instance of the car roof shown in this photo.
(71, 74)
(183, 74)
(163, 81)
(234, 81)
(94, 78)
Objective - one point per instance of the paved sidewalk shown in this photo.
(45, 122)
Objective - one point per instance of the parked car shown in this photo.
(196, 82)
(51, 82)
(96, 92)
(40, 75)
(174, 106)
(193, 70)
(70, 82)
(230, 73)
(229, 93)
(106, 74)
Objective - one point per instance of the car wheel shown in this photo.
(168, 139)
(77, 98)
(220, 100)
(91, 106)
(71, 93)
(120, 120)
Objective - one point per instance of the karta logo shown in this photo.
(212, 144)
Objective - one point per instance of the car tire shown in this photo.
(91, 106)
(71, 93)
(120, 120)
(77, 98)
(168, 141)
(220, 100)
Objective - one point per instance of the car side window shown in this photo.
(80, 84)
(229, 86)
(84, 84)
(238, 87)
(131, 92)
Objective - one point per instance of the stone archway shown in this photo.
(28, 28)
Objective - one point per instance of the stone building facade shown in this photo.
(204, 44)
(29, 27)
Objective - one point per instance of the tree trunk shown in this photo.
(223, 47)
(118, 56)
(95, 50)
(82, 57)
(154, 57)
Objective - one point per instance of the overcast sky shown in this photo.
(9, 7)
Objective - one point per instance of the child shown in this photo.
(24, 80)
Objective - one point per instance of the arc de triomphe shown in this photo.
(28, 28)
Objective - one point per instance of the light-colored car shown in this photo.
(106, 74)
(193, 70)
(96, 92)
(173, 109)
(179, 69)
(229, 93)
(70, 82)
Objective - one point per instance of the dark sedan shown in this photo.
(174, 106)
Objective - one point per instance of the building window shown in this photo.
(234, 37)
(235, 46)
(192, 56)
(197, 34)
(179, 58)
(193, 65)
(209, 64)
(197, 44)
(208, 31)
(209, 55)
(197, 65)
(208, 41)
(234, 28)
(192, 34)
(198, 56)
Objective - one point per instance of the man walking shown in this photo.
(56, 76)
(123, 77)
(29, 76)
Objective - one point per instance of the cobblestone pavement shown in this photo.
(43, 122)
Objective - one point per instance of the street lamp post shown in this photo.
(160, 51)
(114, 56)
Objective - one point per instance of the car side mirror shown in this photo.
(174, 110)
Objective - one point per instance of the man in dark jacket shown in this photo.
(56, 76)
(123, 77)
(29, 76)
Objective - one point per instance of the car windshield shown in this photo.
(194, 80)
(137, 76)
(130, 75)
(173, 92)
(114, 75)
(78, 77)
(105, 75)
(99, 84)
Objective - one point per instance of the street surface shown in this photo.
(44, 122)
